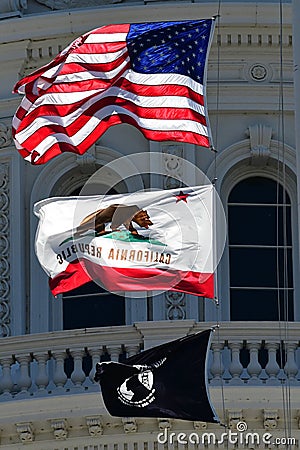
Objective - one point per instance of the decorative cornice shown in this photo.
(70, 4)
(110, 430)
(255, 38)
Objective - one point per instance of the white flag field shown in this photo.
(144, 241)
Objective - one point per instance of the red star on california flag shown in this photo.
(181, 196)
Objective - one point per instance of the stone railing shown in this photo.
(59, 363)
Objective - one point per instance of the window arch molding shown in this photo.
(45, 314)
(234, 164)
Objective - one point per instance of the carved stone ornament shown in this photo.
(164, 424)
(172, 161)
(129, 425)
(94, 425)
(200, 425)
(235, 417)
(258, 72)
(25, 432)
(260, 142)
(172, 157)
(175, 305)
(87, 161)
(68, 4)
(298, 418)
(60, 430)
(271, 418)
(5, 135)
(4, 252)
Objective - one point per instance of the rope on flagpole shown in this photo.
(217, 302)
(282, 318)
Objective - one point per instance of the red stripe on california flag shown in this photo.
(141, 279)
(74, 276)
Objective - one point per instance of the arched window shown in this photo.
(90, 305)
(260, 251)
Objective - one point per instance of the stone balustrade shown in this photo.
(60, 363)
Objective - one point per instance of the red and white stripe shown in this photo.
(90, 86)
(116, 279)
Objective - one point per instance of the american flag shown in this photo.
(149, 75)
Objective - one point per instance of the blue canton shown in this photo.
(170, 47)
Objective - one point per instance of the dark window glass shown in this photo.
(258, 190)
(258, 267)
(260, 251)
(259, 304)
(259, 225)
(92, 306)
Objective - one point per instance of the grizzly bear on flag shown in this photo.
(117, 214)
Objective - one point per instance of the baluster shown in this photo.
(78, 375)
(272, 368)
(290, 367)
(217, 367)
(25, 381)
(6, 382)
(96, 357)
(114, 353)
(132, 350)
(235, 368)
(42, 377)
(59, 377)
(254, 368)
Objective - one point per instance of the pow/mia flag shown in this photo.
(165, 381)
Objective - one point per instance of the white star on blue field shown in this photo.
(170, 47)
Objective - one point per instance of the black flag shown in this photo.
(164, 381)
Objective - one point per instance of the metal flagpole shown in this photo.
(296, 54)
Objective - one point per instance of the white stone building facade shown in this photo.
(47, 354)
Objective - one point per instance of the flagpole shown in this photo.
(296, 55)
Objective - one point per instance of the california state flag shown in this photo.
(156, 240)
